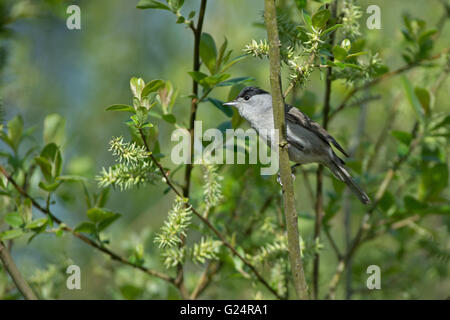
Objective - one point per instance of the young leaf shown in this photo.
(107, 222)
(402, 136)
(14, 219)
(15, 129)
(331, 29)
(86, 227)
(152, 86)
(339, 53)
(412, 98)
(54, 129)
(121, 107)
(11, 234)
(99, 214)
(234, 81)
(424, 97)
(307, 19)
(170, 118)
(37, 223)
(320, 19)
(219, 104)
(197, 76)
(152, 4)
(208, 51)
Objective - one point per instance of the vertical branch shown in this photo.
(15, 274)
(301, 287)
(197, 30)
(319, 187)
(194, 103)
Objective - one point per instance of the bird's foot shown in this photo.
(279, 178)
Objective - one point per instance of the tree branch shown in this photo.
(15, 274)
(285, 170)
(195, 101)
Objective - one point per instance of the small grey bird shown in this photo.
(307, 141)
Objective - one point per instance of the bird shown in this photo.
(308, 141)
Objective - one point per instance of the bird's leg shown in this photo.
(292, 174)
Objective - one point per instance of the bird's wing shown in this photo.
(294, 115)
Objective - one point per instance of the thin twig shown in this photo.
(15, 274)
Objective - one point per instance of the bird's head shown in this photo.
(251, 99)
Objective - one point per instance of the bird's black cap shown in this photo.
(251, 91)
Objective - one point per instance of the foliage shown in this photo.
(231, 219)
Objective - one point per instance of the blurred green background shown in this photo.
(78, 73)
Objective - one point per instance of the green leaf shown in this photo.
(86, 227)
(424, 36)
(152, 86)
(320, 19)
(413, 205)
(11, 234)
(339, 53)
(52, 154)
(152, 4)
(402, 136)
(46, 167)
(233, 62)
(346, 44)
(170, 118)
(14, 219)
(72, 178)
(356, 54)
(434, 181)
(331, 29)
(108, 221)
(121, 107)
(198, 76)
(15, 130)
(136, 86)
(208, 52)
(37, 223)
(307, 19)
(219, 105)
(442, 123)
(222, 50)
(180, 19)
(301, 4)
(99, 214)
(412, 98)
(54, 129)
(234, 81)
(424, 97)
(49, 187)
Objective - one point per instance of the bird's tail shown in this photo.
(342, 174)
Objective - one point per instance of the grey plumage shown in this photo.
(308, 141)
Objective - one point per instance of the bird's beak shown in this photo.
(231, 103)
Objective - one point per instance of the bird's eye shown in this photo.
(246, 98)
